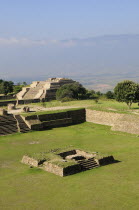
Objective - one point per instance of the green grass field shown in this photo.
(102, 105)
(114, 186)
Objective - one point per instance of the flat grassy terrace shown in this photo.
(25, 114)
(102, 105)
(113, 186)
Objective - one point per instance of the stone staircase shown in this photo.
(88, 164)
(8, 125)
(22, 126)
(31, 93)
(34, 91)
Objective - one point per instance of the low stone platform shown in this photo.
(52, 120)
(67, 162)
(12, 123)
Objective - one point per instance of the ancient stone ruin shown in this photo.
(11, 107)
(26, 109)
(3, 111)
(67, 162)
(43, 89)
(10, 123)
(51, 120)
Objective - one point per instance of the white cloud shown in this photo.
(66, 43)
(25, 41)
(29, 42)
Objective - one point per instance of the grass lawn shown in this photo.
(114, 186)
(47, 112)
(102, 105)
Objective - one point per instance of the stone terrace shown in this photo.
(68, 162)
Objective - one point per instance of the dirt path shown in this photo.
(39, 108)
(58, 108)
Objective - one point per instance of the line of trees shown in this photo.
(126, 91)
(8, 87)
(75, 90)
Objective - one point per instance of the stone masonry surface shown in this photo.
(118, 122)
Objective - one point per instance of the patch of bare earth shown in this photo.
(34, 142)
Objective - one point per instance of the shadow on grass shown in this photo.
(108, 163)
(33, 170)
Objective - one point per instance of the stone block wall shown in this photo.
(7, 97)
(85, 154)
(29, 161)
(62, 166)
(27, 101)
(119, 122)
(5, 103)
(39, 122)
(53, 168)
(36, 127)
(57, 123)
(78, 116)
(53, 116)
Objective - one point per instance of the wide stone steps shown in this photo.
(32, 93)
(22, 125)
(8, 129)
(10, 124)
(9, 118)
(34, 90)
(88, 164)
(41, 85)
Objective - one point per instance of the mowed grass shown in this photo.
(114, 186)
(102, 105)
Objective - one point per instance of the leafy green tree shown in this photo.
(6, 87)
(91, 94)
(127, 91)
(24, 83)
(64, 93)
(110, 95)
(17, 88)
(71, 91)
(99, 93)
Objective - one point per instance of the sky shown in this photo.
(64, 19)
(36, 34)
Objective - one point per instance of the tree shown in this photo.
(91, 94)
(127, 91)
(17, 88)
(71, 91)
(6, 87)
(24, 84)
(64, 93)
(109, 95)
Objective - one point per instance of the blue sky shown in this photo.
(41, 38)
(63, 19)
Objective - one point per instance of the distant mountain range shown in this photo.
(98, 62)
